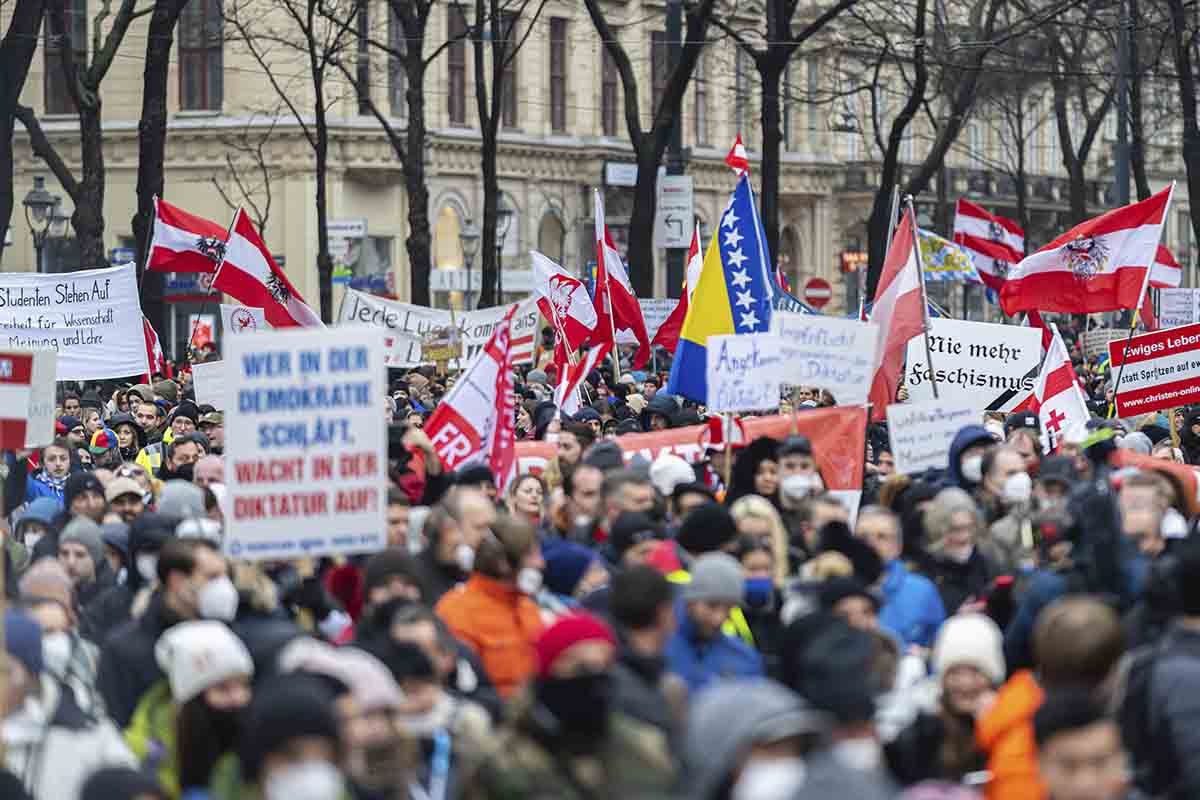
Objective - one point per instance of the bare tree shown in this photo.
(83, 86)
(1183, 34)
(649, 144)
(247, 181)
(16, 55)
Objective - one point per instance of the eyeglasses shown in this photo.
(131, 473)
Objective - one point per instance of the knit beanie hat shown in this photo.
(566, 564)
(973, 640)
(707, 528)
(79, 482)
(668, 471)
(69, 422)
(605, 456)
(630, 528)
(23, 640)
(716, 577)
(181, 499)
(199, 654)
(284, 708)
(567, 632)
(187, 409)
(168, 390)
(362, 673)
(83, 531)
(46, 579)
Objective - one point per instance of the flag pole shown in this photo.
(211, 286)
(862, 284)
(908, 200)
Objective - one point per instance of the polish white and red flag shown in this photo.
(183, 242)
(1102, 264)
(250, 275)
(155, 358)
(737, 160)
(667, 335)
(995, 243)
(617, 307)
(899, 311)
(566, 393)
(1057, 398)
(563, 300)
(476, 422)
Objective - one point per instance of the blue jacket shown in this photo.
(35, 487)
(701, 663)
(912, 608)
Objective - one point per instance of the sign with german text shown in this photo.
(921, 433)
(987, 367)
(745, 372)
(305, 443)
(1161, 370)
(829, 353)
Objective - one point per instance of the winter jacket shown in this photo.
(1005, 734)
(127, 665)
(500, 623)
(967, 436)
(958, 581)
(55, 747)
(1175, 707)
(1041, 589)
(439, 578)
(151, 737)
(916, 754)
(700, 663)
(637, 690)
(912, 608)
(42, 485)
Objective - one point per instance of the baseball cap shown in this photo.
(212, 418)
(121, 486)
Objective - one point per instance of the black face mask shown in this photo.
(580, 704)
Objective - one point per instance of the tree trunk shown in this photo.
(639, 259)
(16, 54)
(419, 243)
(7, 125)
(1137, 124)
(771, 72)
(324, 260)
(487, 244)
(1181, 47)
(88, 219)
(1078, 191)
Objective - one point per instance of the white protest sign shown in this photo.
(91, 318)
(986, 367)
(39, 430)
(655, 311)
(237, 319)
(744, 372)
(475, 327)
(305, 444)
(1177, 307)
(208, 380)
(921, 433)
(828, 353)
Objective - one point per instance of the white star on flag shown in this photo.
(740, 278)
(745, 299)
(733, 238)
(736, 257)
(749, 320)
(729, 219)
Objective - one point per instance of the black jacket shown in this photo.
(916, 754)
(127, 665)
(439, 578)
(635, 686)
(957, 581)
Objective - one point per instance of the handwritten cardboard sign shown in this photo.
(921, 433)
(744, 372)
(828, 353)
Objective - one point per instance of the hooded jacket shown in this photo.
(967, 436)
(662, 405)
(1005, 733)
(745, 467)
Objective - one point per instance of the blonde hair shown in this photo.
(753, 506)
(830, 564)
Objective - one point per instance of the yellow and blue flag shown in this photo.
(734, 293)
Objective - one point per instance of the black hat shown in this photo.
(694, 487)
(285, 708)
(706, 529)
(1058, 469)
(387, 564)
(795, 445)
(605, 456)
(187, 409)
(79, 482)
(1021, 419)
(836, 537)
(828, 663)
(836, 589)
(630, 528)
(478, 473)
(112, 782)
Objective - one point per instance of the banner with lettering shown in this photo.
(92, 319)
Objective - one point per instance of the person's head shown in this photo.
(389, 575)
(953, 523)
(398, 507)
(444, 538)
(999, 464)
(184, 419)
(81, 549)
(124, 782)
(510, 553)
(212, 425)
(474, 512)
(968, 659)
(766, 477)
(91, 421)
(146, 415)
(183, 450)
(709, 528)
(716, 587)
(126, 435)
(71, 404)
(880, 528)
(56, 459)
(817, 511)
(757, 519)
(1143, 491)
(1056, 476)
(572, 570)
(84, 496)
(582, 488)
(1025, 442)
(625, 490)
(573, 439)
(186, 570)
(574, 656)
(633, 537)
(204, 660)
(208, 470)
(23, 661)
(687, 497)
(291, 744)
(1080, 755)
(135, 472)
(796, 458)
(641, 600)
(526, 497)
(885, 463)
(1077, 640)
(850, 600)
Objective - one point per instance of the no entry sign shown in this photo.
(817, 292)
(1162, 370)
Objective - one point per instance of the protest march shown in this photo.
(589, 545)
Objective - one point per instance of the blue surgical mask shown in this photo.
(758, 591)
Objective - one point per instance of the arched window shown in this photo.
(552, 236)
(789, 254)
(447, 246)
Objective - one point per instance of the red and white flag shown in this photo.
(563, 299)
(899, 311)
(736, 159)
(995, 243)
(476, 417)
(154, 352)
(566, 393)
(1099, 265)
(1057, 398)
(667, 335)
(16, 394)
(1165, 272)
(250, 275)
(183, 242)
(616, 305)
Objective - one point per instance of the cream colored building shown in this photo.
(563, 135)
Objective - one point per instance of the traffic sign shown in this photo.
(673, 219)
(818, 292)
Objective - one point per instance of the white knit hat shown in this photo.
(197, 655)
(971, 639)
(668, 471)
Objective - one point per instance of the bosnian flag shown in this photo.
(736, 159)
(250, 275)
(566, 393)
(183, 242)
(899, 312)
(617, 307)
(667, 334)
(995, 243)
(1099, 265)
(562, 299)
(1057, 398)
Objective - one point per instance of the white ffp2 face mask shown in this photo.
(529, 580)
(308, 780)
(464, 556)
(1018, 488)
(777, 779)
(218, 599)
(972, 468)
(147, 566)
(56, 652)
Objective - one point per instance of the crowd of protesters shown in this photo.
(1021, 625)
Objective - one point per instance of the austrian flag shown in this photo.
(250, 275)
(183, 242)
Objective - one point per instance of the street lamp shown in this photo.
(38, 204)
(504, 218)
(468, 236)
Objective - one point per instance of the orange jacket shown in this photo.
(500, 623)
(1005, 733)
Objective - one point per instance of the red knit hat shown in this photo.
(567, 632)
